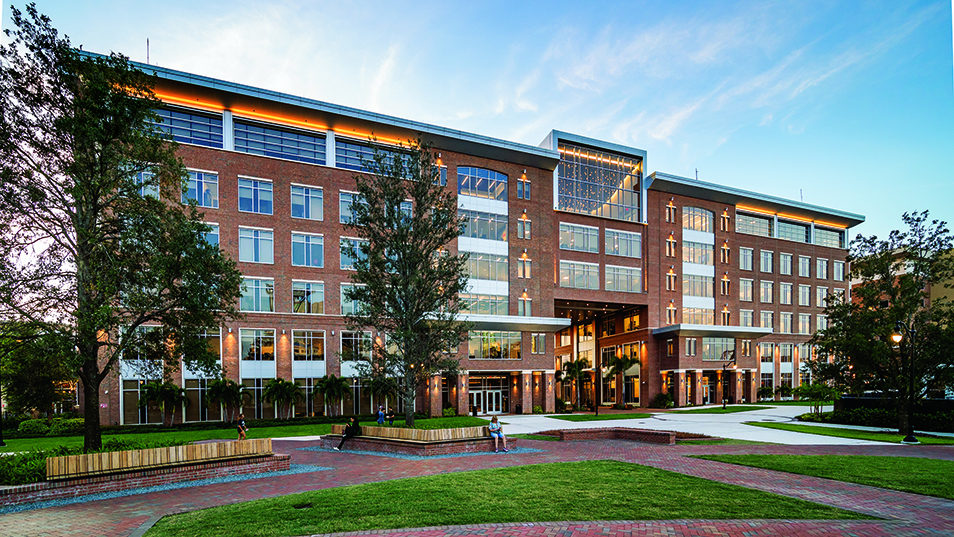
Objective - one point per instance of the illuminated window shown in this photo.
(599, 183)
(698, 219)
(745, 258)
(622, 243)
(523, 229)
(671, 246)
(308, 297)
(481, 183)
(579, 238)
(523, 268)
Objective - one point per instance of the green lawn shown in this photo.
(908, 474)
(721, 442)
(851, 433)
(785, 403)
(730, 409)
(592, 490)
(601, 417)
(543, 437)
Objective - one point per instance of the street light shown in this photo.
(903, 329)
(725, 366)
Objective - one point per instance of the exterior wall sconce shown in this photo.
(230, 330)
(283, 331)
(525, 171)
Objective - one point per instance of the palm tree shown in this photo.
(284, 393)
(618, 365)
(333, 389)
(167, 395)
(575, 371)
(384, 388)
(226, 392)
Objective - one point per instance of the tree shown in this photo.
(33, 371)
(618, 366)
(818, 394)
(764, 392)
(895, 276)
(383, 388)
(575, 372)
(406, 280)
(284, 393)
(88, 254)
(227, 392)
(166, 395)
(333, 390)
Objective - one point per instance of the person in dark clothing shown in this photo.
(351, 429)
(390, 416)
(241, 426)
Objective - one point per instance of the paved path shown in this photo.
(905, 514)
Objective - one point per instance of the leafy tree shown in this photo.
(893, 298)
(575, 371)
(407, 280)
(818, 394)
(764, 392)
(618, 365)
(166, 395)
(383, 388)
(784, 390)
(85, 255)
(284, 393)
(227, 392)
(33, 370)
(333, 389)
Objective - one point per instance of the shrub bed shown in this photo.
(941, 422)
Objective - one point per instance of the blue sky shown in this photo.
(848, 105)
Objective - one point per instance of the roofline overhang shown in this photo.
(515, 323)
(703, 330)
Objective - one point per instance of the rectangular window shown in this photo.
(821, 269)
(785, 323)
(670, 212)
(624, 279)
(353, 155)
(345, 201)
(189, 128)
(726, 286)
(767, 353)
(670, 314)
(838, 271)
(767, 319)
(670, 347)
(349, 306)
(493, 345)
(523, 268)
(820, 294)
(753, 225)
(203, 187)
(308, 345)
(697, 252)
(258, 345)
(785, 293)
(307, 203)
(766, 258)
(287, 144)
(768, 380)
(524, 307)
(578, 275)
(622, 243)
(256, 246)
(746, 347)
(212, 237)
(258, 295)
(148, 184)
(671, 280)
(830, 238)
(785, 264)
(717, 348)
(821, 322)
(308, 297)
(523, 229)
(488, 267)
(355, 346)
(793, 232)
(804, 295)
(484, 304)
(745, 290)
(538, 343)
(579, 238)
(745, 318)
(785, 353)
(804, 266)
(698, 316)
(308, 250)
(607, 327)
(698, 219)
(690, 346)
(804, 323)
(480, 225)
(523, 189)
(765, 292)
(726, 258)
(726, 317)
(481, 183)
(255, 196)
(702, 286)
(599, 183)
(351, 251)
(631, 322)
(671, 246)
(745, 258)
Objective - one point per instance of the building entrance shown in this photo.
(487, 401)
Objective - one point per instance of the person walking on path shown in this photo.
(351, 429)
(380, 415)
(496, 431)
(390, 416)
(241, 427)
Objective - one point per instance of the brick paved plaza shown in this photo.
(903, 514)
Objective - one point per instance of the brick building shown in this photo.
(574, 253)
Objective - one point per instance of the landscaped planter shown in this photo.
(419, 435)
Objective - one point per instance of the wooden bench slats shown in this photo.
(419, 435)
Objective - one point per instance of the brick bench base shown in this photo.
(619, 433)
(415, 447)
(68, 488)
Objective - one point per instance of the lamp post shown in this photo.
(725, 367)
(903, 330)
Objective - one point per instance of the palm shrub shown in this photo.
(764, 392)
(227, 392)
(284, 393)
(167, 395)
(575, 371)
(818, 394)
(617, 366)
(334, 390)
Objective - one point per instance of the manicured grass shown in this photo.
(721, 442)
(908, 474)
(601, 417)
(785, 403)
(440, 423)
(592, 490)
(851, 433)
(730, 409)
(543, 437)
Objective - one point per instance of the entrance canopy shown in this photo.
(706, 330)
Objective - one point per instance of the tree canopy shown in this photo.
(94, 242)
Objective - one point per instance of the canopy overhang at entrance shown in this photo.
(515, 324)
(705, 330)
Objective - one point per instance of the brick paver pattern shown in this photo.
(904, 514)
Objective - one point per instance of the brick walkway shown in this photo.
(905, 514)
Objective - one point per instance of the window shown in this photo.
(671, 246)
(698, 219)
(607, 327)
(765, 261)
(745, 318)
(724, 221)
(670, 347)
(804, 266)
(345, 201)
(585, 332)
(785, 293)
(355, 345)
(481, 183)
(753, 225)
(484, 304)
(308, 250)
(697, 252)
(523, 268)
(579, 238)
(821, 269)
(354, 155)
(523, 228)
(349, 306)
(624, 279)
(308, 297)
(829, 237)
(148, 185)
(488, 267)
(286, 144)
(767, 353)
(188, 128)
(745, 290)
(351, 251)
(793, 232)
(523, 188)
(307, 203)
(212, 237)
(493, 345)
(538, 343)
(693, 285)
(255, 196)
(690, 346)
(726, 316)
(726, 284)
(838, 271)
(820, 294)
(785, 264)
(578, 275)
(308, 345)
(599, 183)
(256, 246)
(203, 187)
(746, 347)
(804, 295)
(258, 295)
(698, 316)
(821, 322)
(258, 345)
(765, 292)
(785, 352)
(804, 323)
(670, 280)
(717, 348)
(670, 212)
(631, 322)
(745, 258)
(671, 314)
(480, 225)
(566, 337)
(622, 243)
(767, 319)
(785, 323)
(725, 257)
(523, 307)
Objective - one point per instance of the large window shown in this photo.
(599, 183)
(697, 252)
(745, 318)
(745, 290)
(255, 196)
(785, 293)
(766, 259)
(765, 292)
(481, 183)
(345, 200)
(698, 316)
(308, 297)
(484, 304)
(838, 271)
(785, 323)
(716, 348)
(793, 231)
(308, 345)
(488, 267)
(212, 237)
(804, 295)
(622, 243)
(829, 237)
(821, 269)
(479, 225)
(785, 264)
(203, 187)
(286, 144)
(804, 266)
(579, 238)
(753, 225)
(308, 250)
(624, 279)
(354, 155)
(346, 245)
(355, 345)
(349, 306)
(767, 318)
(256, 246)
(190, 128)
(745, 258)
(492, 345)
(258, 345)
(698, 219)
(579, 275)
(307, 202)
(804, 323)
(258, 295)
(693, 285)
(821, 293)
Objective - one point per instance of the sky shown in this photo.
(848, 105)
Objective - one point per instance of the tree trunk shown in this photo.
(92, 435)
(409, 396)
